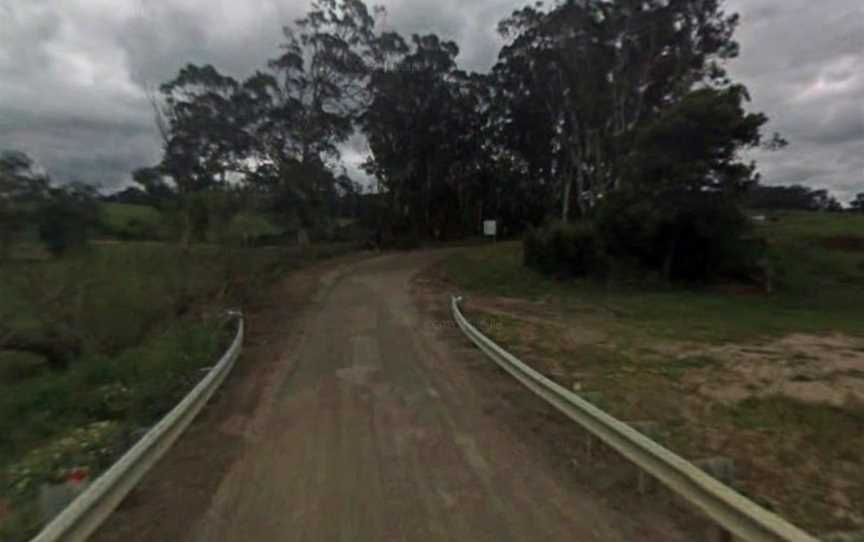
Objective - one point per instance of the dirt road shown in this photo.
(368, 428)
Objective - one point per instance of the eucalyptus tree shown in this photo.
(857, 204)
(589, 73)
(152, 182)
(424, 126)
(21, 187)
(308, 103)
(204, 138)
(278, 131)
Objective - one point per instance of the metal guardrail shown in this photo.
(726, 507)
(86, 513)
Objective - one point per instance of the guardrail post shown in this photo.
(723, 469)
(650, 430)
(597, 399)
(717, 533)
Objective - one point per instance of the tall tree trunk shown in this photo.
(427, 203)
(186, 234)
(565, 203)
(5, 244)
(582, 186)
(670, 260)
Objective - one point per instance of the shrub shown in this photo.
(683, 235)
(406, 241)
(134, 388)
(130, 222)
(249, 228)
(563, 249)
(17, 366)
(62, 229)
(87, 446)
(66, 218)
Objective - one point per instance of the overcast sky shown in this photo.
(73, 74)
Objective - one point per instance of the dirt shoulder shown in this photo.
(179, 489)
(365, 416)
(788, 411)
(598, 474)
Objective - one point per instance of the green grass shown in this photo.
(132, 388)
(676, 368)
(142, 222)
(651, 347)
(801, 436)
(838, 431)
(818, 290)
(86, 416)
(117, 214)
(128, 221)
(146, 316)
(805, 265)
(812, 225)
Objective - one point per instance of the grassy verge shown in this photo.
(819, 290)
(98, 346)
(128, 221)
(773, 381)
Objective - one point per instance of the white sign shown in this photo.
(489, 228)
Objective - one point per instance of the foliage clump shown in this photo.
(566, 250)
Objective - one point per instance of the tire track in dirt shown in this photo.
(370, 428)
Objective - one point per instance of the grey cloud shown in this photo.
(238, 38)
(841, 126)
(73, 79)
(356, 144)
(73, 75)
(837, 167)
(803, 62)
(106, 162)
(471, 24)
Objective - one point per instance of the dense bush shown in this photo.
(66, 219)
(682, 235)
(129, 222)
(247, 228)
(143, 320)
(563, 249)
(16, 366)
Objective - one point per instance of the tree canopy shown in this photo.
(587, 99)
